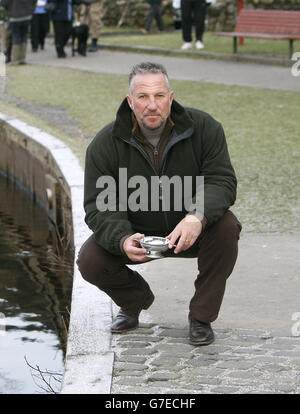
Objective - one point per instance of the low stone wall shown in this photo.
(47, 168)
(221, 16)
(132, 13)
(33, 168)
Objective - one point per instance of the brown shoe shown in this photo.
(144, 31)
(127, 320)
(200, 333)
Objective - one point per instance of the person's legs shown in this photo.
(44, 28)
(110, 274)
(23, 46)
(150, 18)
(7, 41)
(58, 37)
(217, 254)
(216, 250)
(16, 32)
(199, 17)
(158, 18)
(62, 31)
(34, 32)
(186, 18)
(95, 22)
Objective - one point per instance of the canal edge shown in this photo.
(89, 359)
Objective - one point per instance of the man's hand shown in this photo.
(186, 232)
(133, 250)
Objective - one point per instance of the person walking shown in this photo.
(39, 26)
(5, 35)
(155, 140)
(154, 13)
(19, 14)
(2, 21)
(95, 22)
(62, 17)
(193, 13)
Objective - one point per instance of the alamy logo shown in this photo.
(296, 66)
(162, 193)
(296, 326)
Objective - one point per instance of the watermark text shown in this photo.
(163, 193)
(296, 66)
(296, 326)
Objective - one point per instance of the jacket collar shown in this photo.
(123, 125)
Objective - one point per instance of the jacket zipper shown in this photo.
(155, 153)
(150, 163)
(162, 171)
(160, 197)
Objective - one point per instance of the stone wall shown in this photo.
(220, 16)
(34, 169)
(39, 161)
(132, 13)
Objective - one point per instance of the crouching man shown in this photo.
(152, 137)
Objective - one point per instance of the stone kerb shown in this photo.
(89, 361)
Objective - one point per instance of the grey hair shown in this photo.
(147, 67)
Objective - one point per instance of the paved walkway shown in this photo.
(257, 333)
(157, 359)
(255, 349)
(205, 70)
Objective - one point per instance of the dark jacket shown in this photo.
(63, 10)
(17, 9)
(197, 147)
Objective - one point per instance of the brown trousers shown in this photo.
(216, 250)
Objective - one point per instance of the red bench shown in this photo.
(266, 24)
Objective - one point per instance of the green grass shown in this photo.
(217, 44)
(262, 129)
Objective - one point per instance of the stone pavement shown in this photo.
(158, 359)
(257, 332)
(257, 347)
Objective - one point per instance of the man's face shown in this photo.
(150, 99)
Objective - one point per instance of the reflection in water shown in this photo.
(35, 293)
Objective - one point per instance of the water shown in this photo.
(35, 295)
